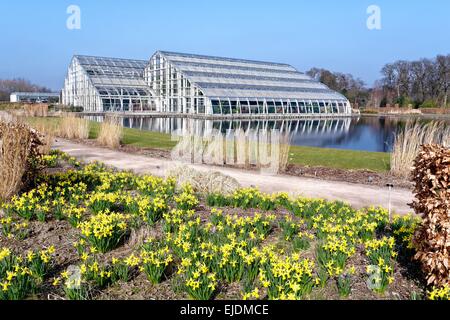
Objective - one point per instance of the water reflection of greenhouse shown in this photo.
(264, 143)
(308, 128)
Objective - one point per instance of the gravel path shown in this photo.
(356, 194)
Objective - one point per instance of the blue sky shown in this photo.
(35, 43)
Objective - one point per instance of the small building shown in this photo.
(35, 97)
(178, 83)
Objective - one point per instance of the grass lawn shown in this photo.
(340, 159)
(133, 137)
(139, 138)
(306, 156)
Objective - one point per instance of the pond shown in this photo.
(365, 133)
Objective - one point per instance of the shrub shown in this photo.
(428, 104)
(431, 176)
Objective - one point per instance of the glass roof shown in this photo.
(226, 78)
(112, 68)
(241, 76)
(111, 62)
(176, 56)
(111, 75)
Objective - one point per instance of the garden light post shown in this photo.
(390, 186)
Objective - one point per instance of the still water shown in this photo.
(363, 133)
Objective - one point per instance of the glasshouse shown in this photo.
(106, 84)
(177, 83)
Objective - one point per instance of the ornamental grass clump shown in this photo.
(409, 141)
(73, 127)
(19, 145)
(111, 132)
(105, 230)
(432, 193)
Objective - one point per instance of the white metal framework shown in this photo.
(107, 84)
(187, 83)
(195, 84)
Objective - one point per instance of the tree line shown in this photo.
(18, 85)
(419, 84)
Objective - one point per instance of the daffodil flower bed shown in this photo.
(199, 281)
(105, 230)
(186, 200)
(155, 259)
(381, 254)
(102, 201)
(269, 246)
(20, 276)
(30, 205)
(404, 228)
(14, 228)
(442, 293)
(154, 186)
(75, 285)
(302, 241)
(151, 210)
(289, 227)
(287, 278)
(46, 161)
